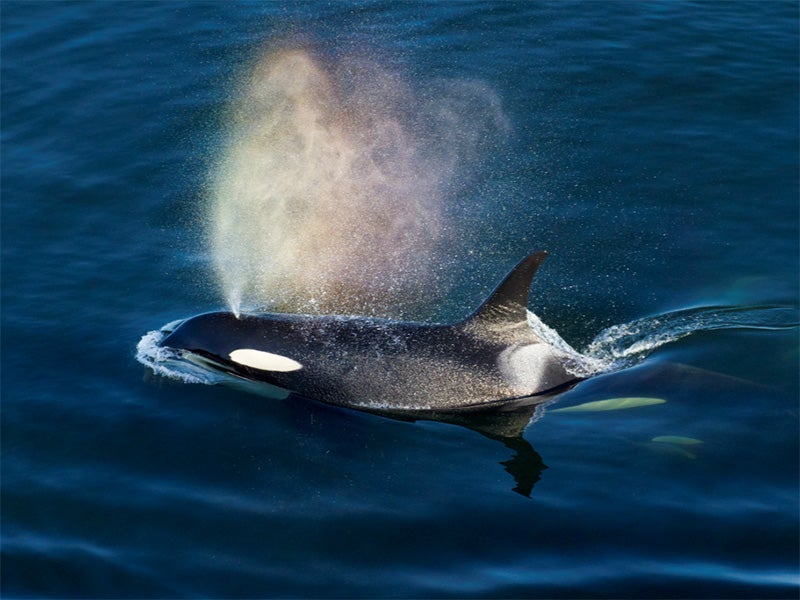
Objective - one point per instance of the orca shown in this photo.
(491, 359)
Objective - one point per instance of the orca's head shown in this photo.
(238, 345)
(211, 334)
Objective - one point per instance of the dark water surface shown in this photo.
(652, 149)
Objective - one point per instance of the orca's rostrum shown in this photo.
(492, 358)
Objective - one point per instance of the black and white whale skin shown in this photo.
(493, 358)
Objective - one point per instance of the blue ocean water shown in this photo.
(651, 148)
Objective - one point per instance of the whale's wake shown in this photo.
(613, 349)
(622, 346)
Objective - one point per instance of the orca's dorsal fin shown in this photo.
(508, 303)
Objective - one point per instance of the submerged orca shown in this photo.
(493, 358)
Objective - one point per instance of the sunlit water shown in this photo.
(650, 148)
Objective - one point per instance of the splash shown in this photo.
(330, 195)
(625, 345)
(628, 344)
(167, 362)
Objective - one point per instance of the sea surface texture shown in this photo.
(162, 159)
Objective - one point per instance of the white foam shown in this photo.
(622, 346)
(576, 363)
(166, 361)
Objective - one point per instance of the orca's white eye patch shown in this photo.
(264, 361)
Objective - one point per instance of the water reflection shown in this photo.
(506, 424)
(350, 433)
(525, 466)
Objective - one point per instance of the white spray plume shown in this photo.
(330, 195)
